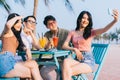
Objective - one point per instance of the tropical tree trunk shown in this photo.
(35, 11)
(35, 8)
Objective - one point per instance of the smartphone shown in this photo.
(110, 11)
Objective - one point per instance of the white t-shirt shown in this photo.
(27, 40)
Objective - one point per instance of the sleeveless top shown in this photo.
(79, 42)
(10, 44)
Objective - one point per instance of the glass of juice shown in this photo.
(55, 41)
(42, 42)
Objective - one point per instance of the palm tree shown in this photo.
(7, 7)
(118, 31)
(66, 2)
(98, 38)
(35, 7)
(106, 37)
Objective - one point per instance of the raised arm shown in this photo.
(107, 27)
(9, 24)
(12, 21)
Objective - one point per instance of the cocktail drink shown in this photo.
(55, 41)
(42, 42)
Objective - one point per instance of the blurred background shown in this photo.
(65, 12)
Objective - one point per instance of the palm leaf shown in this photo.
(6, 6)
(46, 2)
(66, 2)
(68, 5)
(21, 1)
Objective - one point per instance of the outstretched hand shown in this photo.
(115, 15)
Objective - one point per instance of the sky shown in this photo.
(65, 18)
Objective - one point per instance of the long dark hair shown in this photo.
(17, 33)
(87, 30)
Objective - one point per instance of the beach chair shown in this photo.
(99, 52)
(0, 45)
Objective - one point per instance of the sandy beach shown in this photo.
(111, 66)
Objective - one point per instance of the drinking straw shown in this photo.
(38, 35)
(42, 35)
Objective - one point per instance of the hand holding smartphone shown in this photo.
(110, 11)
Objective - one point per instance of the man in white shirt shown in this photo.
(28, 36)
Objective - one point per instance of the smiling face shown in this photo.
(84, 21)
(52, 25)
(30, 23)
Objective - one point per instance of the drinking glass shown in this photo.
(42, 42)
(55, 42)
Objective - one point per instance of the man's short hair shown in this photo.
(48, 18)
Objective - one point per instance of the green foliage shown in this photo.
(5, 5)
